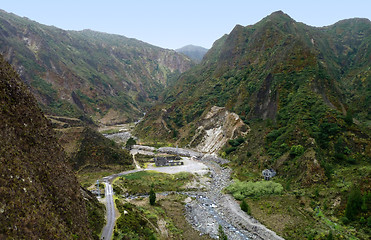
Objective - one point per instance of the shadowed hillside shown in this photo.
(40, 196)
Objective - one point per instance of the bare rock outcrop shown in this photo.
(216, 128)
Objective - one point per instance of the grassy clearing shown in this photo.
(141, 182)
(164, 220)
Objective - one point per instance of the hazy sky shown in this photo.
(176, 23)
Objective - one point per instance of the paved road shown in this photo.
(110, 209)
(110, 206)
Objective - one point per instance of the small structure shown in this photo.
(268, 173)
(98, 189)
(168, 161)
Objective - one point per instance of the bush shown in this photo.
(230, 149)
(152, 197)
(296, 150)
(362, 221)
(354, 203)
(236, 142)
(130, 142)
(241, 190)
(221, 233)
(330, 236)
(245, 207)
(345, 220)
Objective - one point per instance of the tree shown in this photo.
(296, 150)
(349, 118)
(354, 203)
(330, 236)
(245, 207)
(130, 142)
(221, 233)
(152, 197)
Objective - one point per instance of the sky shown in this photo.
(175, 23)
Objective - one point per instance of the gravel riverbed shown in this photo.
(207, 209)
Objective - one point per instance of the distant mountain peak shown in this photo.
(196, 53)
(278, 16)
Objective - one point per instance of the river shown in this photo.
(209, 208)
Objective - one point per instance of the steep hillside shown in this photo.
(195, 53)
(40, 196)
(71, 73)
(277, 69)
(304, 93)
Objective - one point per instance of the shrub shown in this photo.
(221, 233)
(296, 150)
(245, 207)
(354, 203)
(152, 197)
(230, 149)
(236, 142)
(345, 220)
(330, 236)
(241, 190)
(130, 142)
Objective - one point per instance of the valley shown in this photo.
(206, 207)
(181, 145)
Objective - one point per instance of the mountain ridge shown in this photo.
(303, 94)
(255, 71)
(76, 73)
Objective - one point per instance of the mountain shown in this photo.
(195, 53)
(73, 73)
(308, 83)
(283, 95)
(40, 196)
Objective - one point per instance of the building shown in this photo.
(268, 173)
(168, 161)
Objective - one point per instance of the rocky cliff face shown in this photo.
(40, 196)
(216, 128)
(86, 72)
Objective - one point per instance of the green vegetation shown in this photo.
(97, 152)
(241, 190)
(355, 204)
(245, 207)
(96, 214)
(133, 223)
(131, 141)
(99, 71)
(305, 94)
(40, 196)
(142, 182)
(221, 233)
(152, 197)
